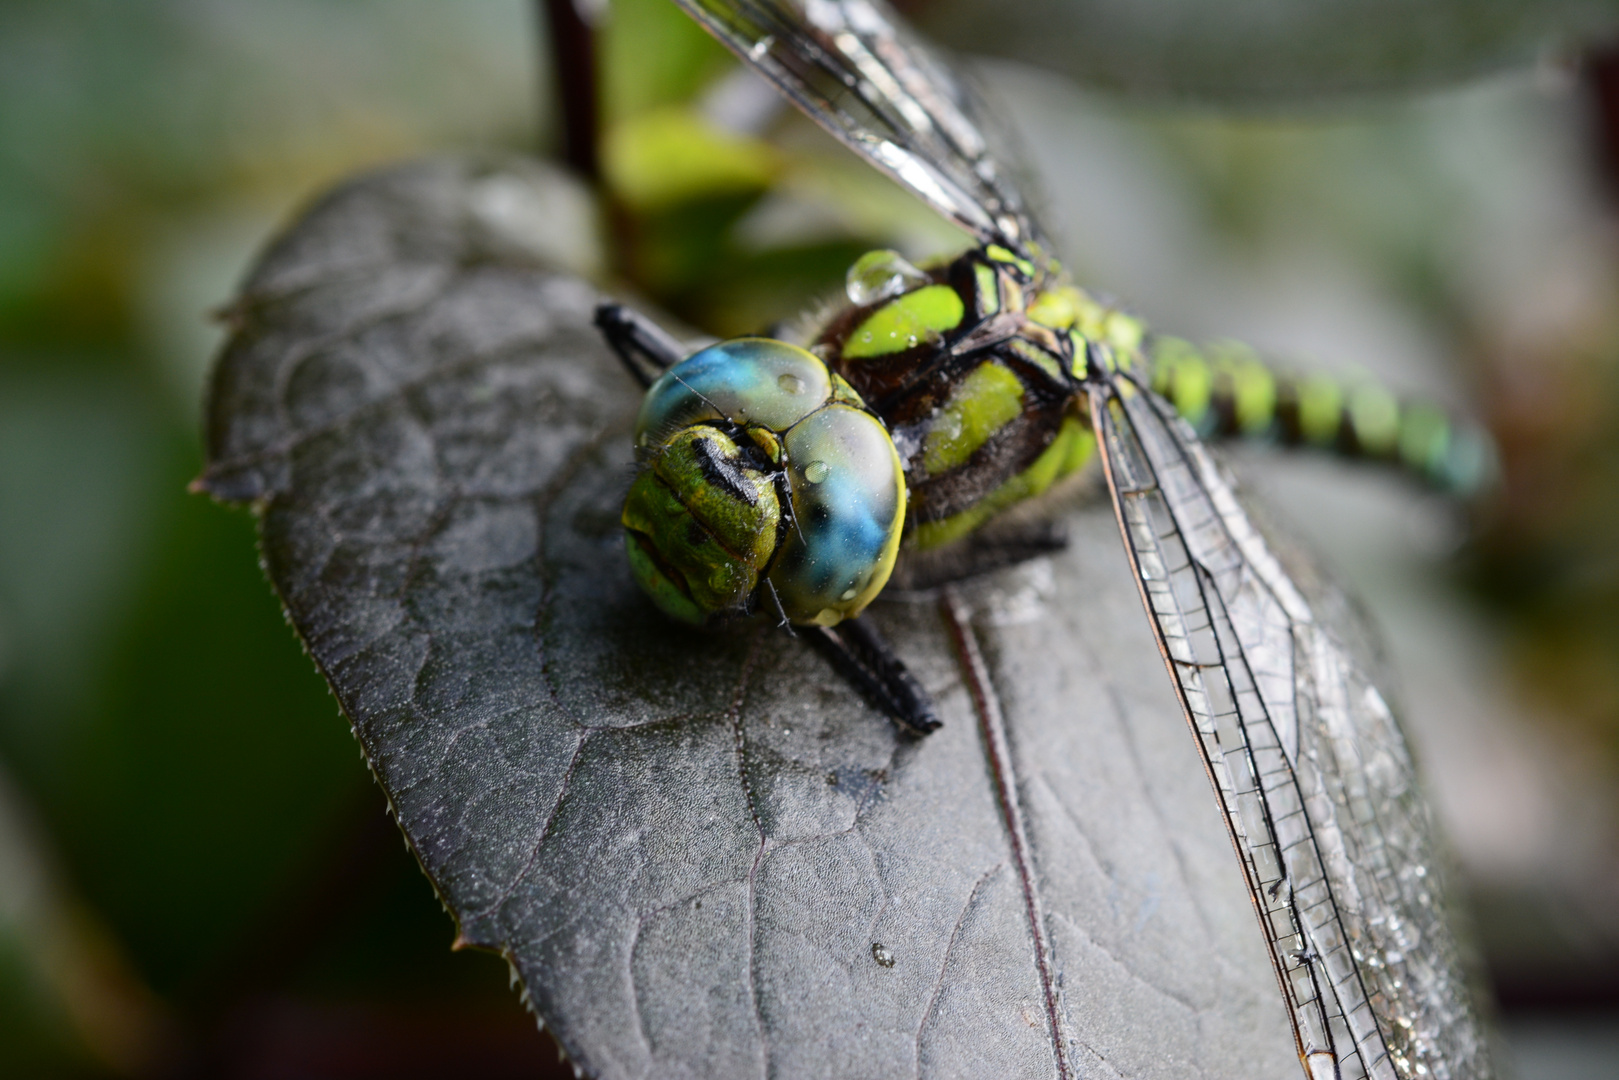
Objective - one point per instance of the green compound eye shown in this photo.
(765, 483)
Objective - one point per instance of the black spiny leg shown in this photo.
(864, 658)
(642, 344)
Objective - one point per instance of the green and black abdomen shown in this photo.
(1227, 391)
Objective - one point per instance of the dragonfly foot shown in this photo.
(866, 660)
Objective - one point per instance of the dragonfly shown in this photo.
(782, 478)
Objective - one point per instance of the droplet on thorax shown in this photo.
(880, 275)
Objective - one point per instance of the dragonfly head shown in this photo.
(764, 484)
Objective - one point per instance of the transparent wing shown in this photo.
(1310, 768)
(854, 68)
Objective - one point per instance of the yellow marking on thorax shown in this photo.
(989, 398)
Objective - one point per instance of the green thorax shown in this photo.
(976, 365)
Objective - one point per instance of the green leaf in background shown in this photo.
(178, 783)
(651, 54)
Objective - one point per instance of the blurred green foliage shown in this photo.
(722, 227)
(184, 808)
(652, 54)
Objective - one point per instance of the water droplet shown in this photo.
(879, 275)
(790, 383)
(850, 593)
(880, 953)
(816, 471)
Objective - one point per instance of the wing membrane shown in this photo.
(859, 73)
(1310, 768)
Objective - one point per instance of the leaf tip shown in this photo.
(228, 483)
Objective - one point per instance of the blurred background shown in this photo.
(197, 877)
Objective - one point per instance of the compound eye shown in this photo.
(700, 525)
(848, 510)
(748, 382)
(722, 437)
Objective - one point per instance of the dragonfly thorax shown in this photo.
(976, 365)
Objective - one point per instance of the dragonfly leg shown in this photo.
(993, 547)
(863, 658)
(644, 346)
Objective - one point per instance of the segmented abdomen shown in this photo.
(1225, 390)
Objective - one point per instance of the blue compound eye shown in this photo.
(755, 381)
(765, 485)
(848, 499)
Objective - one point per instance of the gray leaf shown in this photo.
(705, 855)
(1268, 52)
